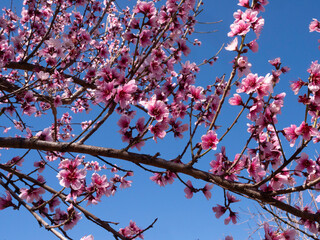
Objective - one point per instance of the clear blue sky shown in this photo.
(285, 35)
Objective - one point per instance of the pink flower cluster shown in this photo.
(244, 21)
(6, 201)
(69, 218)
(131, 231)
(293, 132)
(221, 210)
(209, 140)
(163, 179)
(254, 84)
(70, 176)
(189, 190)
(222, 165)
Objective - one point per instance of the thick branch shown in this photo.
(243, 189)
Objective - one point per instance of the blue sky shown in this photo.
(285, 35)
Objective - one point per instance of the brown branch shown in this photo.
(37, 68)
(246, 190)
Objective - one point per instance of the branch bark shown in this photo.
(247, 190)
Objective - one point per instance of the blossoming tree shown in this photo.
(70, 67)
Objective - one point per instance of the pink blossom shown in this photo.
(11, 109)
(158, 54)
(244, 3)
(296, 86)
(209, 140)
(250, 84)
(15, 161)
(305, 163)
(206, 190)
(310, 225)
(275, 62)
(219, 210)
(231, 198)
(99, 184)
(145, 38)
(285, 69)
(124, 123)
(85, 124)
(28, 109)
(178, 128)
(290, 134)
(314, 69)
(237, 15)
(236, 100)
(159, 130)
(290, 234)
(243, 66)
(130, 37)
(75, 217)
(156, 69)
(233, 46)
(28, 97)
(233, 216)
(159, 179)
(255, 109)
(70, 175)
(228, 238)
(140, 125)
(54, 48)
(89, 237)
(253, 45)
(18, 124)
(256, 170)
(146, 8)
(124, 93)
(239, 28)
(280, 180)
(131, 230)
(250, 16)
(60, 216)
(217, 165)
(104, 91)
(183, 47)
(32, 194)
(40, 165)
(57, 101)
(269, 233)
(257, 26)
(189, 190)
(196, 93)
(53, 203)
(277, 104)
(263, 2)
(169, 177)
(6, 201)
(157, 109)
(45, 135)
(124, 183)
(314, 25)
(306, 131)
